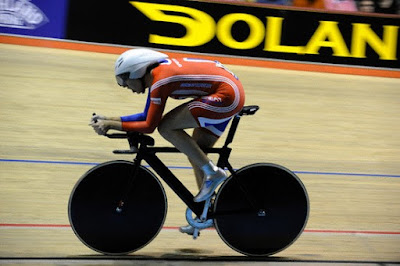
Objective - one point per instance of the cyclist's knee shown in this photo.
(166, 129)
(163, 129)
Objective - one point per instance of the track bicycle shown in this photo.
(118, 207)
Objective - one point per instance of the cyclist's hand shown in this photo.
(100, 127)
(97, 117)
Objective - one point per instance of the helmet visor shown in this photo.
(121, 79)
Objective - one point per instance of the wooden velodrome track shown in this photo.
(339, 133)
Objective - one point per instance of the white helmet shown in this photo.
(136, 61)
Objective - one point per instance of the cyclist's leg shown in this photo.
(205, 140)
(212, 112)
(172, 128)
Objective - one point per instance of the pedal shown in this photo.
(202, 222)
(196, 233)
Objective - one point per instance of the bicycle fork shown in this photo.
(129, 187)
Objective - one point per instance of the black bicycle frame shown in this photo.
(147, 153)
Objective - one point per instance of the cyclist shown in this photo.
(218, 96)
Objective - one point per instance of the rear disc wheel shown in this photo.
(261, 210)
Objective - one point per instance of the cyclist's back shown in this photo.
(218, 91)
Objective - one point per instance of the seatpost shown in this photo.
(232, 130)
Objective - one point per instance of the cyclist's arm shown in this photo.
(114, 118)
(105, 123)
(153, 117)
(137, 117)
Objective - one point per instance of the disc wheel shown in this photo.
(99, 223)
(261, 210)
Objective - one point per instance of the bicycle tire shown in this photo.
(262, 210)
(92, 208)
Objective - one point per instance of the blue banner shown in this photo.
(44, 18)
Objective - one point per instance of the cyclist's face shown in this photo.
(135, 85)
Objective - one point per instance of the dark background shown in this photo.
(118, 22)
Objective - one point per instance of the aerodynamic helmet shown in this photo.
(134, 63)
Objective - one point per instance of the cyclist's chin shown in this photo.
(137, 91)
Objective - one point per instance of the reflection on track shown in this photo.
(182, 260)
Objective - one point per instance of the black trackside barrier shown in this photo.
(240, 30)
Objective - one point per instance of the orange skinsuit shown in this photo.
(218, 94)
